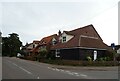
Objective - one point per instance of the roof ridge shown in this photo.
(49, 36)
(81, 27)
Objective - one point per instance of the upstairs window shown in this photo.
(43, 47)
(33, 45)
(54, 42)
(64, 39)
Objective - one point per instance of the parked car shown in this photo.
(20, 55)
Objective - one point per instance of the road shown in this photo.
(0, 68)
(15, 68)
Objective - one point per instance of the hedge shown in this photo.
(82, 63)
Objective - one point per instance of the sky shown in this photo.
(33, 20)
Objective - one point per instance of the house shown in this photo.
(117, 48)
(44, 43)
(33, 46)
(118, 51)
(28, 48)
(78, 44)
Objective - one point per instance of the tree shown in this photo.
(11, 45)
(5, 46)
(42, 54)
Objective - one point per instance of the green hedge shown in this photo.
(82, 63)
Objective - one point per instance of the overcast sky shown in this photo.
(35, 20)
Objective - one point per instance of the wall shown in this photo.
(80, 54)
(90, 52)
(118, 51)
(69, 54)
(30, 46)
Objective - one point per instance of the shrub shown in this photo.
(104, 59)
(82, 63)
(42, 55)
(89, 58)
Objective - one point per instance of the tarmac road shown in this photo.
(15, 68)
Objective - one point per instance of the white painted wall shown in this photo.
(53, 39)
(35, 45)
(118, 51)
(30, 46)
(68, 37)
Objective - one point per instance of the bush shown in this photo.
(82, 63)
(104, 59)
(42, 55)
(29, 58)
(51, 56)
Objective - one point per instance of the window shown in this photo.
(54, 42)
(33, 45)
(57, 54)
(43, 47)
(64, 39)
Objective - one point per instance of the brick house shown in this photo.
(44, 43)
(78, 44)
(28, 48)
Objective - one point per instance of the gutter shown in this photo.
(81, 48)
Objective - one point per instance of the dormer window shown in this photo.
(43, 42)
(64, 39)
(54, 41)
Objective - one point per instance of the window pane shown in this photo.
(64, 39)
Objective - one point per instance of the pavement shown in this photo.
(89, 68)
(15, 68)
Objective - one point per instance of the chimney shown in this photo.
(59, 33)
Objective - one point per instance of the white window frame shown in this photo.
(54, 42)
(57, 53)
(63, 39)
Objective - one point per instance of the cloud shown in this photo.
(34, 20)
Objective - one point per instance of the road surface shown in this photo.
(15, 68)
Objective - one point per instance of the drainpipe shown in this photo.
(79, 40)
(79, 45)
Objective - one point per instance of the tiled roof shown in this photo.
(78, 41)
(47, 39)
(36, 41)
(36, 49)
(28, 45)
(92, 43)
